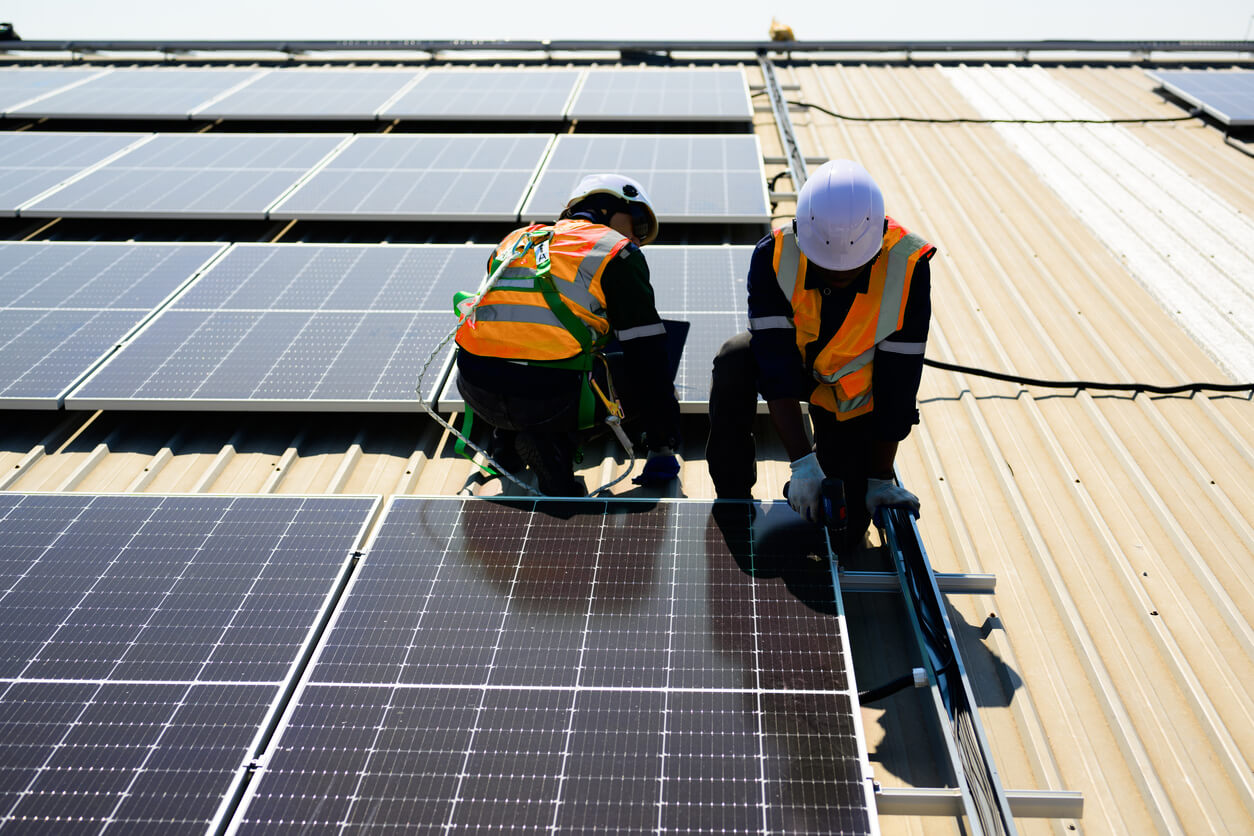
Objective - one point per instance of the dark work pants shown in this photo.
(541, 430)
(843, 447)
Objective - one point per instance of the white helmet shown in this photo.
(644, 219)
(840, 216)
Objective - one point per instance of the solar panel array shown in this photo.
(576, 666)
(1227, 95)
(518, 93)
(688, 177)
(137, 94)
(432, 177)
(707, 178)
(697, 95)
(145, 642)
(296, 327)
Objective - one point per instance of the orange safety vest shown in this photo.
(514, 321)
(843, 368)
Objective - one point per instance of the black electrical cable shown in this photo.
(1193, 114)
(871, 695)
(771, 183)
(1088, 384)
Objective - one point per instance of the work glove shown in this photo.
(805, 488)
(886, 493)
(660, 467)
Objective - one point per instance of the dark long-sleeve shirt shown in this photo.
(783, 373)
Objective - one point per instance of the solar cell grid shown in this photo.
(441, 177)
(63, 308)
(565, 666)
(143, 642)
(483, 94)
(651, 94)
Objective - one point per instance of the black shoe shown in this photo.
(548, 461)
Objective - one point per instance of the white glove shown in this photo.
(886, 493)
(805, 487)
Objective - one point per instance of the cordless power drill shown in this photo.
(833, 510)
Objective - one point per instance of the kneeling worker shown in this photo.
(839, 303)
(525, 359)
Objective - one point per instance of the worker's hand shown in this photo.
(660, 467)
(805, 487)
(886, 493)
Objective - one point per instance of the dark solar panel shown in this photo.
(696, 178)
(433, 177)
(704, 286)
(289, 326)
(652, 94)
(145, 93)
(577, 666)
(144, 640)
(1228, 95)
(19, 85)
(32, 163)
(487, 95)
(211, 175)
(63, 308)
(311, 93)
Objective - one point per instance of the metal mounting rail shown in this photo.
(636, 46)
(783, 123)
(984, 801)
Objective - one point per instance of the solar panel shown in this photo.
(63, 308)
(312, 94)
(19, 85)
(696, 178)
(139, 94)
(441, 177)
(192, 176)
(32, 163)
(498, 94)
(650, 94)
(144, 643)
(299, 327)
(589, 665)
(701, 285)
(1227, 95)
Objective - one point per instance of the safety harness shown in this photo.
(540, 281)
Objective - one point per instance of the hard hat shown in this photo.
(644, 220)
(840, 216)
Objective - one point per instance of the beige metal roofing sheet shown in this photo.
(1117, 657)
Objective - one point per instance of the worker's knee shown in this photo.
(734, 364)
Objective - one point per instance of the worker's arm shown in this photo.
(634, 321)
(772, 337)
(898, 372)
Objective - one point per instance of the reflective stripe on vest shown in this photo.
(843, 367)
(514, 321)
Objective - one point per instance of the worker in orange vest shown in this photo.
(527, 355)
(839, 304)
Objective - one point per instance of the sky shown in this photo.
(631, 19)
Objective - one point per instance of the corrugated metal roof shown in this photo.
(1117, 656)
